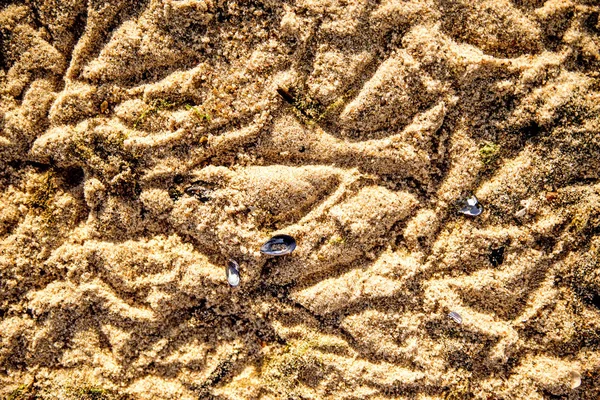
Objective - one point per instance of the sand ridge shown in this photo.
(112, 275)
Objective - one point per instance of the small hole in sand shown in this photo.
(73, 176)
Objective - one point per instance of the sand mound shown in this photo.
(354, 126)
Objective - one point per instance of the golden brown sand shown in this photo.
(112, 277)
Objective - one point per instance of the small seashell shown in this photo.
(471, 207)
(455, 316)
(233, 273)
(575, 379)
(279, 245)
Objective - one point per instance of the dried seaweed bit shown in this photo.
(470, 206)
(279, 245)
(198, 191)
(497, 256)
(575, 379)
(233, 273)
(455, 316)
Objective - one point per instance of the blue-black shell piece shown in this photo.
(233, 273)
(279, 245)
(471, 207)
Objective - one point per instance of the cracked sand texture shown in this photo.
(112, 276)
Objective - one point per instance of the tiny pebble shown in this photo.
(551, 196)
(455, 316)
(521, 213)
(233, 273)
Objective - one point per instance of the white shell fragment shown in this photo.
(575, 379)
(521, 213)
(233, 273)
(471, 207)
(455, 316)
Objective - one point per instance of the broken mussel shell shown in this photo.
(455, 316)
(279, 245)
(470, 206)
(233, 273)
(199, 191)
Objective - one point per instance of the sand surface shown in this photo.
(112, 275)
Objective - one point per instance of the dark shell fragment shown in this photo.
(198, 191)
(497, 256)
(279, 245)
(233, 273)
(286, 95)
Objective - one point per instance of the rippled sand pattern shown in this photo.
(112, 276)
